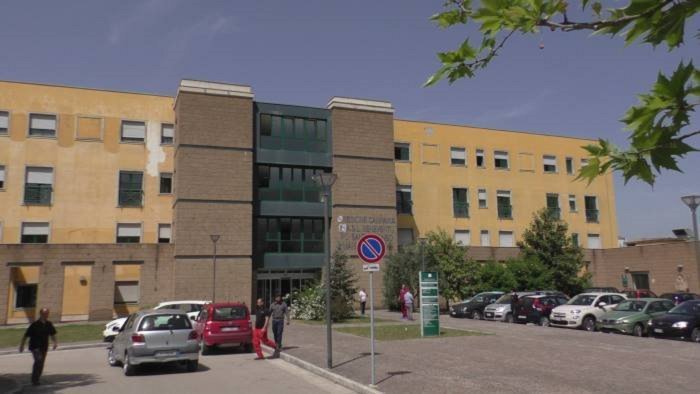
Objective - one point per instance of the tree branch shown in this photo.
(686, 136)
(493, 52)
(597, 25)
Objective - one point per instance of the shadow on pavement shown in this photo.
(165, 369)
(225, 351)
(360, 356)
(51, 383)
(392, 374)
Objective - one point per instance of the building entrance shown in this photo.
(272, 282)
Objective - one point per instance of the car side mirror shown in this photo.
(193, 318)
(116, 329)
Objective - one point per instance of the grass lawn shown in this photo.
(400, 332)
(353, 320)
(11, 337)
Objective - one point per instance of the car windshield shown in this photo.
(165, 322)
(505, 299)
(582, 299)
(225, 313)
(630, 306)
(686, 308)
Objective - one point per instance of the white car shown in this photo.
(191, 307)
(584, 310)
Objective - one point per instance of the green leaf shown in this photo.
(597, 8)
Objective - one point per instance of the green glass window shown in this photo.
(130, 189)
(281, 183)
(290, 235)
(460, 205)
(591, 203)
(553, 205)
(505, 209)
(293, 133)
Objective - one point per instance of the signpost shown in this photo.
(429, 304)
(370, 249)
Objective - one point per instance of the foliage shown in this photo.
(659, 124)
(309, 303)
(530, 274)
(495, 276)
(400, 268)
(546, 240)
(458, 274)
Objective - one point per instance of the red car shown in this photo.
(639, 293)
(224, 323)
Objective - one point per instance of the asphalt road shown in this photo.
(87, 371)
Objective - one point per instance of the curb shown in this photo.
(326, 374)
(6, 351)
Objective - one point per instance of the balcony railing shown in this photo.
(592, 215)
(461, 209)
(554, 212)
(130, 198)
(37, 194)
(505, 211)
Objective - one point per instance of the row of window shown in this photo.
(87, 127)
(284, 183)
(293, 133)
(289, 235)
(501, 159)
(505, 238)
(39, 233)
(460, 203)
(39, 182)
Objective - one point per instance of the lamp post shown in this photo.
(326, 181)
(693, 202)
(214, 240)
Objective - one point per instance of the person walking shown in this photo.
(408, 303)
(38, 334)
(363, 301)
(513, 303)
(279, 312)
(262, 318)
(402, 305)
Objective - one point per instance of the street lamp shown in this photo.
(326, 181)
(693, 202)
(214, 240)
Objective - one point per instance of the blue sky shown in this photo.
(304, 52)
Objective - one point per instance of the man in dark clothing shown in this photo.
(279, 312)
(513, 303)
(38, 334)
(262, 318)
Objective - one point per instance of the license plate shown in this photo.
(166, 354)
(659, 330)
(229, 329)
(522, 317)
(489, 314)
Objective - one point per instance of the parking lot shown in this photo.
(86, 371)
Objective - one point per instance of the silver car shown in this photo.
(500, 310)
(155, 336)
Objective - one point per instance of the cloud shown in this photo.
(515, 111)
(142, 15)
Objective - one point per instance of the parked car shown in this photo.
(680, 297)
(155, 336)
(224, 324)
(500, 309)
(584, 310)
(602, 290)
(639, 293)
(631, 316)
(474, 307)
(682, 322)
(190, 307)
(537, 308)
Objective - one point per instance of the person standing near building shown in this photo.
(363, 301)
(38, 334)
(402, 305)
(279, 312)
(408, 303)
(262, 318)
(513, 303)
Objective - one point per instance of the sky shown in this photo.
(306, 51)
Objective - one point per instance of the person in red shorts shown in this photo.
(262, 319)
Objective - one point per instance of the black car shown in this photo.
(537, 308)
(601, 290)
(681, 322)
(474, 307)
(679, 297)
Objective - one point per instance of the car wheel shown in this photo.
(129, 369)
(544, 321)
(111, 359)
(695, 335)
(192, 365)
(205, 349)
(589, 323)
(476, 315)
(509, 318)
(638, 330)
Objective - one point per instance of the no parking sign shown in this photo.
(370, 249)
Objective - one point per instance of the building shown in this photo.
(108, 200)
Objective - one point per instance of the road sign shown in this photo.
(429, 304)
(370, 249)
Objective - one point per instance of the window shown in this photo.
(574, 239)
(130, 188)
(295, 134)
(290, 235)
(483, 198)
(403, 199)
(505, 209)
(402, 152)
(640, 280)
(2, 177)
(569, 166)
(25, 295)
(594, 241)
(505, 239)
(463, 237)
(458, 156)
(277, 183)
(616, 299)
(500, 159)
(126, 292)
(553, 206)
(485, 238)
(164, 233)
(460, 203)
(42, 125)
(128, 233)
(4, 122)
(405, 236)
(166, 183)
(35, 233)
(38, 185)
(550, 164)
(584, 162)
(572, 203)
(591, 203)
(480, 159)
(133, 131)
(167, 134)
